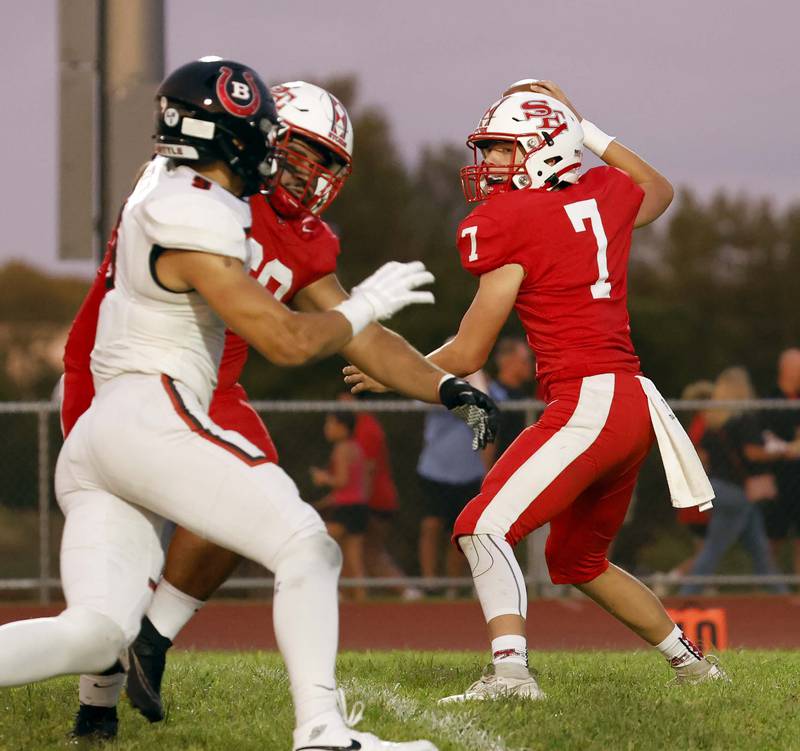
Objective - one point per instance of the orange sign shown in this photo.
(706, 627)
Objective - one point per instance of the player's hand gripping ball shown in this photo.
(540, 86)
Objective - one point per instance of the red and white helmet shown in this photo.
(314, 115)
(546, 132)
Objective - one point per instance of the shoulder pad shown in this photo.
(194, 221)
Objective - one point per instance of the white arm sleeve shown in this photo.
(194, 222)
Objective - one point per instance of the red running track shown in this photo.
(769, 622)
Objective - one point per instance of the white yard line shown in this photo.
(462, 729)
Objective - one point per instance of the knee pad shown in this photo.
(315, 554)
(96, 641)
(498, 578)
(476, 549)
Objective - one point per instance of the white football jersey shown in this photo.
(144, 327)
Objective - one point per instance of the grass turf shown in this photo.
(608, 701)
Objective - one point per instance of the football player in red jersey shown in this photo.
(553, 245)
(296, 261)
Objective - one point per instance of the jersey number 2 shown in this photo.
(578, 213)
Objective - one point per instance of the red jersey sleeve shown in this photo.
(78, 384)
(628, 196)
(483, 245)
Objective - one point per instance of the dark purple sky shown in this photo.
(708, 90)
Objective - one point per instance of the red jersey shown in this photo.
(573, 245)
(294, 254)
(369, 434)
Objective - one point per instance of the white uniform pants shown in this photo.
(147, 449)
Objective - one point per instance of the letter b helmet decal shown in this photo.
(241, 99)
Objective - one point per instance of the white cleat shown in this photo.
(491, 686)
(705, 670)
(333, 733)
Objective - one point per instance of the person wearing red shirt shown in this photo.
(553, 245)
(382, 501)
(382, 490)
(346, 476)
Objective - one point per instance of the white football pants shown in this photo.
(147, 440)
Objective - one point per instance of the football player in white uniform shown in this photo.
(147, 449)
(316, 142)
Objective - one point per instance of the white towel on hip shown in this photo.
(686, 477)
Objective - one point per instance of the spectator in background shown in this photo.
(514, 362)
(782, 515)
(734, 455)
(450, 474)
(695, 521)
(346, 503)
(381, 494)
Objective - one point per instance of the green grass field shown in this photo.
(605, 701)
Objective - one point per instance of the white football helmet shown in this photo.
(316, 117)
(546, 133)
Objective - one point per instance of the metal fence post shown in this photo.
(44, 505)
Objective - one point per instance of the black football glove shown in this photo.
(473, 406)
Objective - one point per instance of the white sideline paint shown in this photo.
(461, 729)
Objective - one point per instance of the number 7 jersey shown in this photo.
(573, 245)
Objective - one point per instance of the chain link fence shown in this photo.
(652, 543)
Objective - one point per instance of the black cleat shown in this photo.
(148, 657)
(95, 723)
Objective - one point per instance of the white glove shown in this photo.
(390, 289)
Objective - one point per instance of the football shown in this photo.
(524, 84)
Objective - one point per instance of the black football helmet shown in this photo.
(219, 109)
